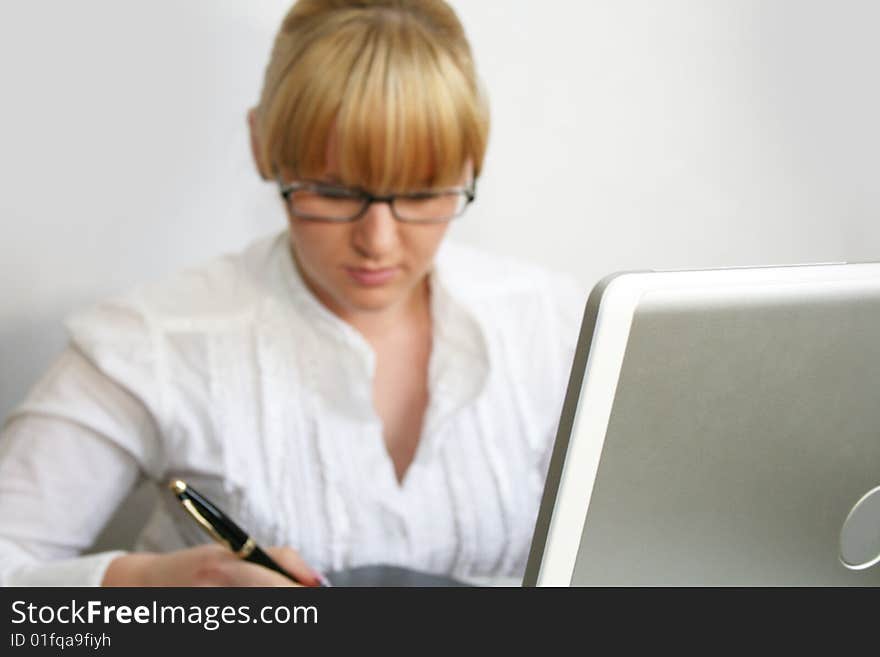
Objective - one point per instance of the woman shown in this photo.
(353, 390)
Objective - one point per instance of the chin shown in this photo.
(370, 300)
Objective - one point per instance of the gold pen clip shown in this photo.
(179, 487)
(199, 518)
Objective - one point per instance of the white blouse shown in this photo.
(235, 378)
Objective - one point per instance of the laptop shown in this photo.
(722, 428)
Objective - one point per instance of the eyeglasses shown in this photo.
(334, 203)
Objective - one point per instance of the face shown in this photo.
(370, 265)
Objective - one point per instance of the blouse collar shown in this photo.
(344, 362)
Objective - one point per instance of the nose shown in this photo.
(375, 234)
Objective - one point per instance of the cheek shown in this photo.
(318, 243)
(423, 241)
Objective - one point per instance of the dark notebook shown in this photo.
(384, 575)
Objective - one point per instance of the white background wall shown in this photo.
(627, 134)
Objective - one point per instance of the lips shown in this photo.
(371, 277)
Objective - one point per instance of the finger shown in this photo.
(218, 566)
(244, 573)
(292, 562)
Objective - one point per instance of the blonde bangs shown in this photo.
(402, 111)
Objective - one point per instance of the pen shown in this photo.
(222, 529)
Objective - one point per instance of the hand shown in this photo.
(206, 565)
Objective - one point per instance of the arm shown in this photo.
(67, 456)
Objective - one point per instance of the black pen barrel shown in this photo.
(259, 557)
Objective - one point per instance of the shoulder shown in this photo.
(491, 284)
(221, 289)
(133, 337)
(530, 316)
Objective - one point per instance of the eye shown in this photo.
(421, 196)
(333, 192)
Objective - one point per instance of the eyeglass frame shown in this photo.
(286, 189)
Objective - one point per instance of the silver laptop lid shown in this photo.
(721, 428)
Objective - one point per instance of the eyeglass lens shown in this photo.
(340, 207)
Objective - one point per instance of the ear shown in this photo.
(255, 144)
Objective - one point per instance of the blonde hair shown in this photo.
(392, 81)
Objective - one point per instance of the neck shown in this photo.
(378, 325)
(387, 323)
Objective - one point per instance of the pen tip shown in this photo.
(177, 486)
